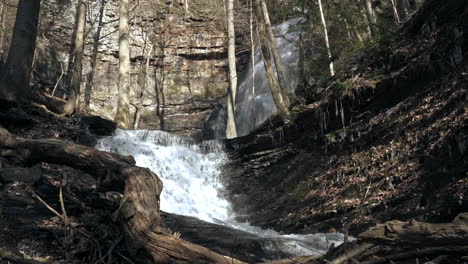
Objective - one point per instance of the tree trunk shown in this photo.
(96, 37)
(75, 83)
(122, 118)
(267, 59)
(138, 213)
(368, 25)
(14, 84)
(231, 130)
(327, 42)
(2, 33)
(143, 89)
(370, 14)
(284, 87)
(395, 12)
(252, 57)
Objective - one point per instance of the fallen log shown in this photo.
(353, 253)
(138, 214)
(435, 251)
(416, 233)
(295, 260)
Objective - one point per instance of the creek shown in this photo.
(192, 186)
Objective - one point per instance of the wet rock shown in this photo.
(222, 239)
(98, 125)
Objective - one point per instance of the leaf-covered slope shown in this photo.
(388, 142)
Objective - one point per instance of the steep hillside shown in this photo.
(387, 142)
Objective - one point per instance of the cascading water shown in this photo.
(287, 40)
(190, 173)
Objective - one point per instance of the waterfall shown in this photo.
(191, 172)
(287, 40)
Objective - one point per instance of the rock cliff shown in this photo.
(187, 75)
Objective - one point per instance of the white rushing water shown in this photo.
(287, 41)
(287, 36)
(190, 173)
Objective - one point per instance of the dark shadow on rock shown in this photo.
(222, 239)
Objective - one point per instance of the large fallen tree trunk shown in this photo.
(426, 252)
(416, 233)
(138, 214)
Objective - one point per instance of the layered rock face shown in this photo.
(186, 78)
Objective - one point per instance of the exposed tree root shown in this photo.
(50, 103)
(138, 214)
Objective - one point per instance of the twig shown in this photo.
(109, 252)
(59, 79)
(64, 220)
(62, 205)
(9, 256)
(45, 203)
(124, 257)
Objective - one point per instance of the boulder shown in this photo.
(98, 125)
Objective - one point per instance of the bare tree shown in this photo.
(327, 42)
(14, 84)
(122, 118)
(370, 14)
(2, 32)
(96, 38)
(75, 83)
(252, 58)
(231, 131)
(274, 51)
(267, 59)
(395, 12)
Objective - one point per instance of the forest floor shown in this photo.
(27, 226)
